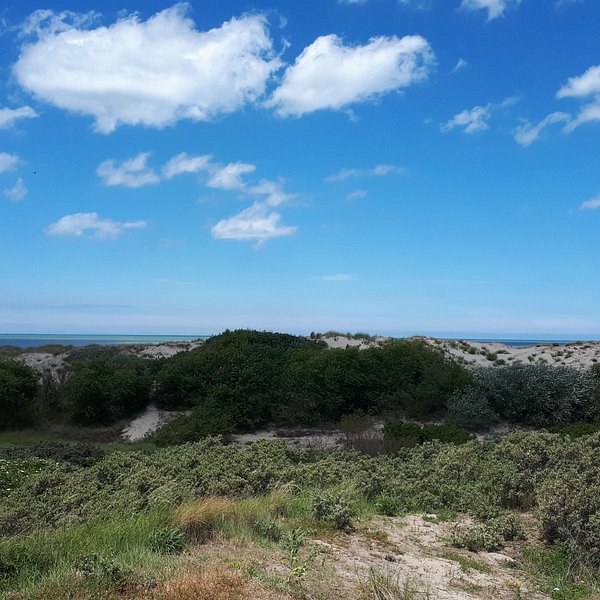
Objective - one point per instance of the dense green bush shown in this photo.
(69, 452)
(257, 377)
(18, 391)
(205, 420)
(105, 385)
(538, 395)
(447, 432)
(555, 476)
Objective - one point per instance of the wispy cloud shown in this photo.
(9, 116)
(92, 225)
(471, 121)
(494, 8)
(591, 204)
(378, 171)
(184, 163)
(338, 277)
(17, 192)
(460, 64)
(229, 177)
(131, 173)
(357, 195)
(8, 162)
(527, 133)
(583, 86)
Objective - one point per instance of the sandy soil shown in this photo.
(581, 355)
(148, 422)
(416, 552)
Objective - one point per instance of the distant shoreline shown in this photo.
(37, 340)
(32, 340)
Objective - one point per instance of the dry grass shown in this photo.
(200, 519)
(215, 583)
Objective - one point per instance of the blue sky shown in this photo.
(391, 166)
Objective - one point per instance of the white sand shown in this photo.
(487, 354)
(148, 422)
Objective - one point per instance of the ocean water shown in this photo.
(36, 340)
(523, 342)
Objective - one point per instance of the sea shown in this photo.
(35, 340)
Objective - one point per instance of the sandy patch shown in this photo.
(148, 422)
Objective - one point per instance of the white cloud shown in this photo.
(416, 4)
(183, 163)
(331, 75)
(591, 204)
(8, 162)
(272, 191)
(460, 64)
(473, 120)
(338, 277)
(583, 86)
(8, 116)
(229, 177)
(352, 1)
(17, 192)
(357, 195)
(78, 224)
(378, 171)
(152, 72)
(132, 173)
(527, 133)
(495, 8)
(257, 223)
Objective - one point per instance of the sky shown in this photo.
(390, 166)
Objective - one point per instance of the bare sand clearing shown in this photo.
(148, 422)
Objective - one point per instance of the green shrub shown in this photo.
(538, 395)
(333, 508)
(105, 387)
(205, 420)
(386, 505)
(70, 452)
(447, 433)
(18, 391)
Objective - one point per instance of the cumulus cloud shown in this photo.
(416, 4)
(132, 173)
(257, 223)
(8, 116)
(17, 192)
(184, 163)
(229, 177)
(527, 133)
(80, 224)
(471, 121)
(331, 75)
(583, 86)
(591, 204)
(150, 73)
(378, 171)
(494, 8)
(8, 162)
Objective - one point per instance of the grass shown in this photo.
(381, 585)
(466, 563)
(29, 562)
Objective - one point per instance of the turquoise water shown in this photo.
(35, 340)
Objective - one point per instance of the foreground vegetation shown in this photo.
(146, 521)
